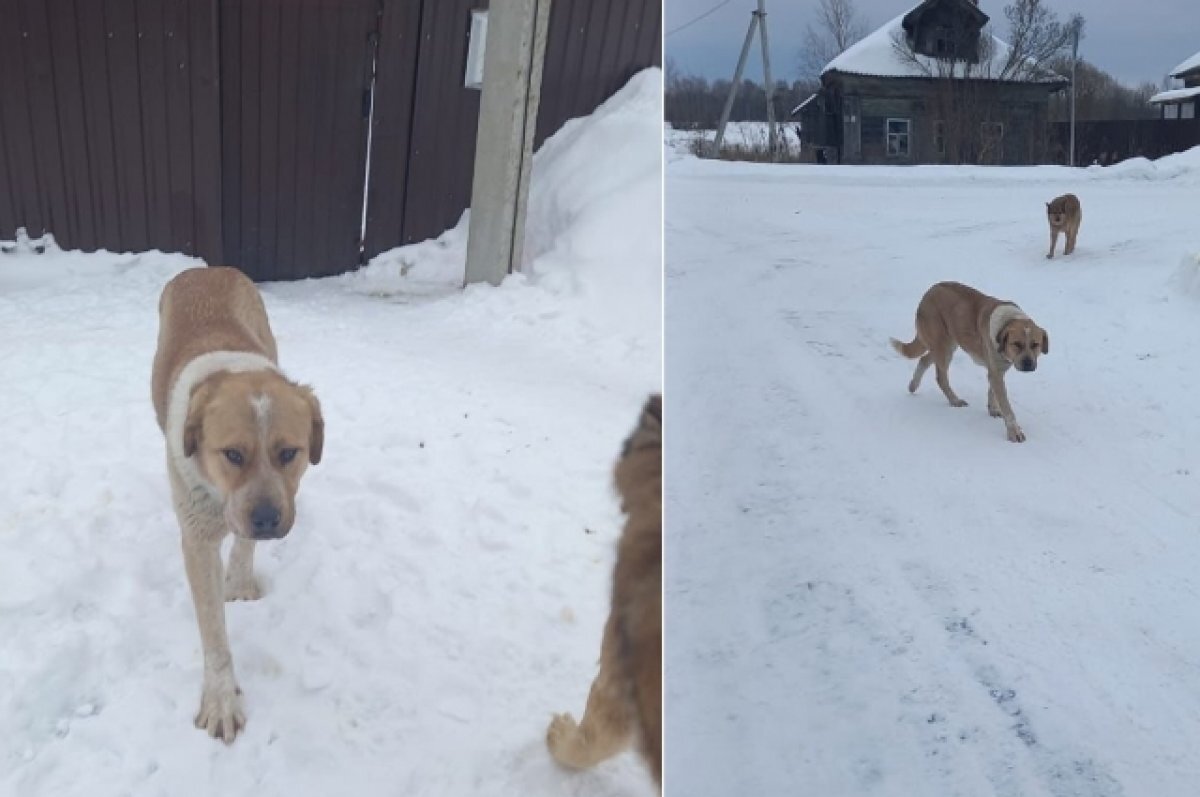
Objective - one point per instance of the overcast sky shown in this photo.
(1134, 41)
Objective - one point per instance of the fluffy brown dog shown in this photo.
(1065, 215)
(626, 697)
(239, 436)
(995, 333)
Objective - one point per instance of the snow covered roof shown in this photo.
(1175, 94)
(1187, 66)
(876, 56)
(796, 110)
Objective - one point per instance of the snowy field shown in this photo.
(752, 135)
(872, 593)
(445, 586)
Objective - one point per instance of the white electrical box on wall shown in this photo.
(476, 44)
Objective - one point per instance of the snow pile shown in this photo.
(1169, 167)
(876, 55)
(446, 584)
(875, 593)
(593, 227)
(1186, 278)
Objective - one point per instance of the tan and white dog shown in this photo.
(994, 333)
(239, 436)
(1064, 214)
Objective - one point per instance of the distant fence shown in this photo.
(1113, 141)
(237, 130)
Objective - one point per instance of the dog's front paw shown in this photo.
(242, 589)
(562, 738)
(994, 412)
(221, 712)
(1015, 435)
(958, 403)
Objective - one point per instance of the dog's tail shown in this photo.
(910, 350)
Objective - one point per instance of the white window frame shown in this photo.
(905, 136)
(1187, 110)
(1170, 111)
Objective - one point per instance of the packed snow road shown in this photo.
(871, 592)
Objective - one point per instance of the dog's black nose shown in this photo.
(1028, 365)
(265, 520)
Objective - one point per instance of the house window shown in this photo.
(939, 136)
(943, 42)
(1188, 110)
(1170, 111)
(991, 140)
(897, 137)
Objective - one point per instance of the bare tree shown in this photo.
(964, 108)
(839, 25)
(1035, 38)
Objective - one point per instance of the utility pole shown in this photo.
(733, 89)
(758, 20)
(1074, 58)
(770, 84)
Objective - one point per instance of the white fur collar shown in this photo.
(193, 374)
(1000, 316)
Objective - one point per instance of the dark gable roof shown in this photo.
(913, 18)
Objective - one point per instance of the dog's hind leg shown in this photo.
(608, 720)
(922, 366)
(240, 583)
(942, 361)
(1070, 247)
(1053, 243)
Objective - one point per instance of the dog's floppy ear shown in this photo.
(1045, 342)
(193, 427)
(1002, 338)
(1048, 206)
(316, 436)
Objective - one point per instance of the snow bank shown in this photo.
(1186, 278)
(593, 228)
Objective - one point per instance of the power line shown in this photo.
(707, 13)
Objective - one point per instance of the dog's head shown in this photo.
(1056, 213)
(252, 436)
(1021, 342)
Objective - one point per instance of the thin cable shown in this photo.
(707, 13)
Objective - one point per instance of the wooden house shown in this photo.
(931, 86)
(1180, 103)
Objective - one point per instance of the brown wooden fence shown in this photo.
(237, 130)
(109, 113)
(1113, 141)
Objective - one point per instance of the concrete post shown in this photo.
(512, 79)
(715, 150)
(768, 81)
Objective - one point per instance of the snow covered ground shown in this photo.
(872, 593)
(445, 586)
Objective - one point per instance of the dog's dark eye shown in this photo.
(234, 456)
(1035, 345)
(1019, 345)
(287, 455)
